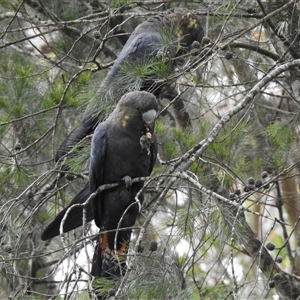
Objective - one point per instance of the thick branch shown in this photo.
(255, 48)
(239, 107)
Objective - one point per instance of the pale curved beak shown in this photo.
(149, 116)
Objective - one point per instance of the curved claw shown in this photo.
(128, 181)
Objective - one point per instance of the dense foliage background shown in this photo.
(223, 200)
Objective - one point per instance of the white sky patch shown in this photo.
(71, 266)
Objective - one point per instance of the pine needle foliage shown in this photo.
(281, 135)
(103, 287)
(153, 68)
(119, 3)
(212, 226)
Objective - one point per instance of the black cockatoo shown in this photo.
(162, 38)
(123, 147)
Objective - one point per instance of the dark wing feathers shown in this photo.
(98, 151)
(74, 218)
(85, 127)
(137, 49)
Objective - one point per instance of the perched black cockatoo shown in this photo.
(162, 38)
(123, 147)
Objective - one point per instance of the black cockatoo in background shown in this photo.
(123, 147)
(162, 38)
